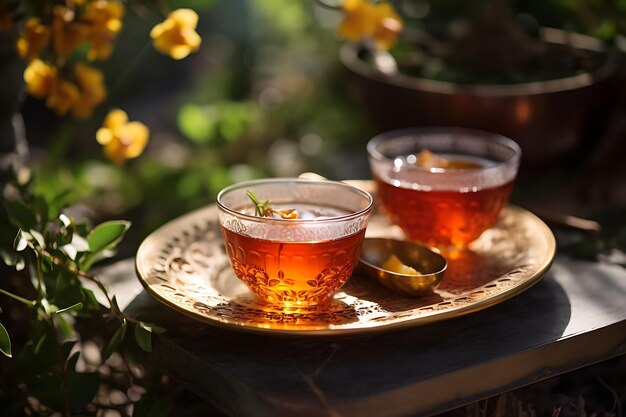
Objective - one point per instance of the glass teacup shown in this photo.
(294, 262)
(443, 186)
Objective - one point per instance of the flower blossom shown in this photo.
(92, 90)
(176, 36)
(41, 78)
(105, 21)
(377, 21)
(67, 33)
(120, 138)
(34, 38)
(63, 97)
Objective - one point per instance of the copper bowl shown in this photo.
(549, 119)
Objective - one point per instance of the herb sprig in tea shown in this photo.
(263, 208)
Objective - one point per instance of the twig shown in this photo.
(82, 274)
(30, 303)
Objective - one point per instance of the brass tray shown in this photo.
(183, 264)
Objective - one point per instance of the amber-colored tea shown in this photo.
(446, 217)
(293, 273)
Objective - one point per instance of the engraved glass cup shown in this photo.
(294, 262)
(447, 207)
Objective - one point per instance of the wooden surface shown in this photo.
(575, 316)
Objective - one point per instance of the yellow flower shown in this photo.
(67, 33)
(40, 78)
(105, 13)
(176, 36)
(34, 38)
(105, 21)
(357, 22)
(378, 21)
(92, 90)
(388, 25)
(63, 97)
(122, 139)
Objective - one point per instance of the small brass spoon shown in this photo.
(431, 266)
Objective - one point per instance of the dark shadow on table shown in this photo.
(241, 370)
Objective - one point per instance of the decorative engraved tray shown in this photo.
(183, 264)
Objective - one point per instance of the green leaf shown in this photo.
(143, 337)
(115, 304)
(20, 243)
(20, 215)
(56, 204)
(75, 307)
(5, 341)
(116, 340)
(102, 239)
(80, 243)
(12, 259)
(44, 355)
(70, 251)
(65, 327)
(77, 245)
(90, 300)
(107, 235)
(66, 348)
(83, 387)
(46, 265)
(68, 291)
(152, 328)
(198, 123)
(70, 365)
(59, 202)
(48, 307)
(38, 237)
(158, 329)
(65, 220)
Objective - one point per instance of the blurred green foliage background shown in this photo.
(266, 95)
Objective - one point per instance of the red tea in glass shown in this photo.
(297, 262)
(293, 272)
(440, 217)
(447, 205)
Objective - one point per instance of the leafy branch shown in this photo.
(51, 256)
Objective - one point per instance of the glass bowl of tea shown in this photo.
(443, 186)
(293, 242)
